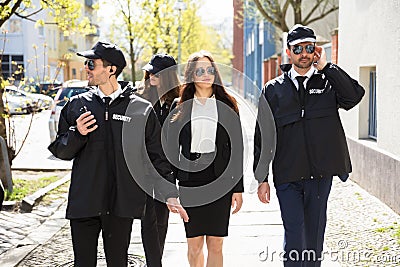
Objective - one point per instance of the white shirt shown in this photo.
(204, 120)
(113, 96)
(293, 74)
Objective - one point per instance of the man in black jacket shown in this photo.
(311, 146)
(106, 130)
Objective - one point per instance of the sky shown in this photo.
(215, 11)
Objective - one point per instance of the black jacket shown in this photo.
(108, 173)
(309, 142)
(228, 163)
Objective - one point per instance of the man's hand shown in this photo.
(175, 207)
(237, 201)
(264, 192)
(320, 58)
(84, 122)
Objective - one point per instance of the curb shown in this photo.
(41, 169)
(39, 237)
(43, 233)
(29, 201)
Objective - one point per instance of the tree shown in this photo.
(66, 14)
(147, 27)
(276, 11)
(127, 28)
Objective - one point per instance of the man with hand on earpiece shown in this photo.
(107, 189)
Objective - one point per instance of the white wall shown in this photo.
(369, 36)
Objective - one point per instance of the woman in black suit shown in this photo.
(160, 86)
(205, 147)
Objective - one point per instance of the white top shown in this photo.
(113, 96)
(293, 74)
(204, 120)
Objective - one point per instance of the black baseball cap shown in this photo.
(299, 34)
(159, 62)
(110, 52)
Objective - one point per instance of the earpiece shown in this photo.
(111, 70)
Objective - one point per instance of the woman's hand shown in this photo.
(175, 207)
(237, 201)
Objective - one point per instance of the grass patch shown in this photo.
(397, 235)
(385, 229)
(55, 193)
(23, 188)
(359, 197)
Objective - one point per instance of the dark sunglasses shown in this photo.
(297, 49)
(201, 71)
(90, 64)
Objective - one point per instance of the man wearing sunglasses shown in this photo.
(105, 194)
(311, 145)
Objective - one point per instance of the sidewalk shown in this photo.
(256, 235)
(361, 230)
(34, 154)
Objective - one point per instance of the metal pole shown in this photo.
(179, 43)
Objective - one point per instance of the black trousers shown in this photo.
(116, 232)
(154, 231)
(303, 209)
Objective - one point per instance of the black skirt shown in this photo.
(210, 219)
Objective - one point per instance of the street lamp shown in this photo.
(179, 5)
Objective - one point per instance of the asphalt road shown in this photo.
(32, 152)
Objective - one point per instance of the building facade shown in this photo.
(369, 34)
(44, 53)
(262, 46)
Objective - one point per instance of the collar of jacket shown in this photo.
(127, 89)
(286, 68)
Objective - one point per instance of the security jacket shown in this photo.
(310, 140)
(107, 172)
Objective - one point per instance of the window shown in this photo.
(12, 66)
(41, 31)
(12, 26)
(372, 121)
(15, 26)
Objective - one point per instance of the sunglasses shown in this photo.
(297, 49)
(90, 64)
(201, 71)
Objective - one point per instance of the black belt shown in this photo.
(202, 158)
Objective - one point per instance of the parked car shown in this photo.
(44, 88)
(65, 92)
(16, 102)
(39, 102)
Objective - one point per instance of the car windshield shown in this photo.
(69, 92)
(44, 88)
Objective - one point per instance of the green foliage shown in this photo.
(146, 27)
(23, 188)
(66, 14)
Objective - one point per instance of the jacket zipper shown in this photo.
(303, 120)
